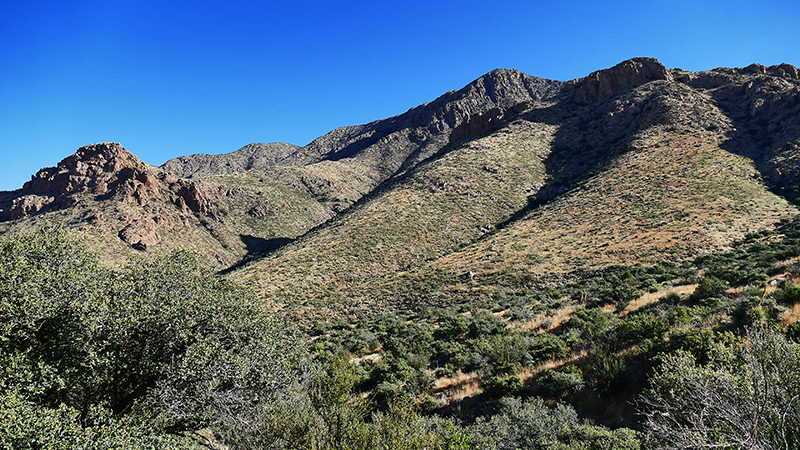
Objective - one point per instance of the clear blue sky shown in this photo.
(169, 78)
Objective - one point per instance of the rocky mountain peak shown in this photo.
(88, 169)
(102, 171)
(606, 83)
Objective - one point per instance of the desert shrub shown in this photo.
(619, 294)
(519, 313)
(561, 384)
(507, 353)
(742, 397)
(635, 329)
(608, 369)
(591, 322)
(499, 386)
(699, 342)
(544, 347)
(528, 424)
(484, 323)
(708, 287)
(478, 361)
(452, 353)
(360, 341)
(452, 326)
(591, 437)
(790, 295)
(679, 315)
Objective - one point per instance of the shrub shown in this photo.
(544, 347)
(162, 341)
(708, 287)
(499, 386)
(561, 384)
(744, 397)
(522, 424)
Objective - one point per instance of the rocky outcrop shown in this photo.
(477, 124)
(104, 171)
(107, 174)
(140, 233)
(607, 83)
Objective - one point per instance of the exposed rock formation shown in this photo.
(103, 170)
(140, 233)
(106, 175)
(606, 83)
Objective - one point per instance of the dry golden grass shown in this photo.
(673, 197)
(653, 297)
(444, 203)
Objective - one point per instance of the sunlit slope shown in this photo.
(674, 196)
(628, 166)
(445, 203)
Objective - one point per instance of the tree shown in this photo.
(744, 397)
(162, 344)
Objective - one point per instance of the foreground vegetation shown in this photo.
(164, 354)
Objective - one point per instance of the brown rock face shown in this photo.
(140, 233)
(27, 205)
(604, 84)
(106, 171)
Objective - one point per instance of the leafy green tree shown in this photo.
(161, 342)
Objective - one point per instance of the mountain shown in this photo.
(631, 165)
(262, 195)
(251, 156)
(120, 204)
(506, 184)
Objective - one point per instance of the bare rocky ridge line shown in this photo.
(401, 142)
(251, 156)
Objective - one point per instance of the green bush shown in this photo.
(499, 386)
(528, 424)
(162, 340)
(744, 396)
(708, 287)
(701, 343)
(561, 384)
(544, 347)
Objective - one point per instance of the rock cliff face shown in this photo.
(606, 83)
(107, 171)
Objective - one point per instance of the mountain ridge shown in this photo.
(396, 211)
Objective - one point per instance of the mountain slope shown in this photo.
(630, 165)
(262, 195)
(350, 162)
(251, 156)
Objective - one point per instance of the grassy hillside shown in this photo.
(451, 199)
(551, 192)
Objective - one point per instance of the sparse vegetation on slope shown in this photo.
(476, 273)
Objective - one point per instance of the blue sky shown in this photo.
(174, 78)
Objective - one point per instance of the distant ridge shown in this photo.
(251, 156)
